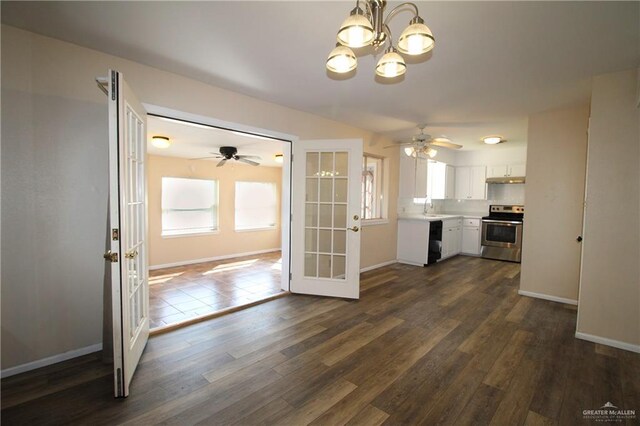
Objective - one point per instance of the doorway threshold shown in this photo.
(171, 327)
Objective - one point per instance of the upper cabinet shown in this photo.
(506, 170)
(440, 181)
(471, 183)
(413, 177)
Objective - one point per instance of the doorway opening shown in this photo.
(218, 219)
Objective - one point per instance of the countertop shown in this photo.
(437, 216)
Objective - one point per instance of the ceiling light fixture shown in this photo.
(492, 140)
(161, 142)
(370, 27)
(278, 158)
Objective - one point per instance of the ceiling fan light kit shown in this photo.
(369, 27)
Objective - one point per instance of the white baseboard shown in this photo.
(608, 342)
(379, 265)
(548, 297)
(212, 259)
(12, 371)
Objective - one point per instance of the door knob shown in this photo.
(354, 229)
(131, 254)
(111, 257)
(579, 239)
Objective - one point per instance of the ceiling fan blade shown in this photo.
(205, 158)
(400, 144)
(255, 157)
(244, 160)
(446, 144)
(221, 163)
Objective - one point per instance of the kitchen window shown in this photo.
(374, 189)
(189, 206)
(256, 206)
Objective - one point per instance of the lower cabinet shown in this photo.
(471, 237)
(451, 237)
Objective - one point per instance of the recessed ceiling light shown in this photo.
(492, 140)
(161, 142)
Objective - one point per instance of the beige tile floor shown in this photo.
(180, 293)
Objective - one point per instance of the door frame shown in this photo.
(285, 201)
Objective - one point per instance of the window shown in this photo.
(373, 187)
(256, 205)
(189, 206)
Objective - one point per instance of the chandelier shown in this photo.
(369, 27)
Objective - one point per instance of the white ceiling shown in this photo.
(494, 62)
(197, 141)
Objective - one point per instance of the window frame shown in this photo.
(276, 205)
(383, 184)
(215, 209)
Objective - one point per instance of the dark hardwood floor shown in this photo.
(449, 344)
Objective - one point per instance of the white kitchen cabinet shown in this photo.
(471, 236)
(451, 237)
(506, 170)
(440, 181)
(413, 176)
(413, 241)
(471, 183)
(449, 182)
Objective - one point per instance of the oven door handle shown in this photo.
(501, 222)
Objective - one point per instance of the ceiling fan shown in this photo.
(231, 152)
(422, 144)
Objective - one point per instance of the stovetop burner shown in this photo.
(513, 213)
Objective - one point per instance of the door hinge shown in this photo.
(113, 85)
(290, 276)
(291, 157)
(291, 217)
(115, 234)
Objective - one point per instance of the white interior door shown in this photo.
(127, 203)
(327, 179)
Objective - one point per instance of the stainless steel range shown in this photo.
(502, 233)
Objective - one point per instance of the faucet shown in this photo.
(425, 209)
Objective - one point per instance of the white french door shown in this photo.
(127, 207)
(325, 234)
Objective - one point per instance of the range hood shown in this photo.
(506, 180)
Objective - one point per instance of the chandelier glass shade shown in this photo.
(369, 27)
(391, 64)
(341, 60)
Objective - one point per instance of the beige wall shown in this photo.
(55, 191)
(171, 250)
(610, 280)
(556, 158)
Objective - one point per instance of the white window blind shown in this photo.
(189, 206)
(256, 205)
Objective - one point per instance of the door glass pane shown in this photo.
(312, 189)
(312, 164)
(311, 239)
(325, 241)
(341, 190)
(339, 241)
(324, 265)
(310, 264)
(340, 216)
(326, 164)
(311, 214)
(339, 267)
(342, 164)
(326, 188)
(325, 215)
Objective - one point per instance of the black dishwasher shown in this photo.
(435, 241)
